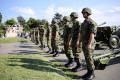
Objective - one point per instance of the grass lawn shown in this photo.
(67, 71)
(28, 67)
(12, 40)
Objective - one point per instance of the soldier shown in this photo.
(74, 41)
(36, 36)
(47, 35)
(87, 35)
(66, 39)
(32, 35)
(54, 37)
(41, 36)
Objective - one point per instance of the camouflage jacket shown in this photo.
(47, 34)
(67, 32)
(75, 29)
(55, 29)
(87, 27)
(41, 31)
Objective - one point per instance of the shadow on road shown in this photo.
(114, 61)
(34, 64)
(19, 52)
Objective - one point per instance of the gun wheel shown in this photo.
(114, 41)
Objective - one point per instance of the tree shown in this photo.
(32, 23)
(0, 17)
(26, 28)
(11, 22)
(45, 23)
(2, 29)
(21, 20)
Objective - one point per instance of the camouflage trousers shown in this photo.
(41, 40)
(67, 50)
(55, 44)
(74, 50)
(88, 54)
(36, 41)
(48, 42)
(32, 38)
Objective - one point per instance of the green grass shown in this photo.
(67, 72)
(12, 40)
(28, 67)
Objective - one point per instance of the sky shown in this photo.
(102, 10)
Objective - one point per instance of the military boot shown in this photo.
(52, 52)
(56, 54)
(78, 67)
(89, 75)
(70, 63)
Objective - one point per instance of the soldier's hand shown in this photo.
(78, 44)
(69, 44)
(89, 46)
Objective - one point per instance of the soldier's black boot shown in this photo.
(56, 54)
(78, 67)
(89, 75)
(70, 63)
(52, 52)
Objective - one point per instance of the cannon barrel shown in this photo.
(101, 61)
(102, 24)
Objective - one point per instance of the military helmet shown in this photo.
(66, 18)
(74, 14)
(87, 10)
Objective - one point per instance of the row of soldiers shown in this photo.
(76, 36)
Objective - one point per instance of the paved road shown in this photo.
(112, 72)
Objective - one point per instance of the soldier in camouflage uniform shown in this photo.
(32, 35)
(36, 36)
(55, 38)
(75, 40)
(47, 35)
(41, 36)
(66, 39)
(87, 35)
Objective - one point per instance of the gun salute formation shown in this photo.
(77, 37)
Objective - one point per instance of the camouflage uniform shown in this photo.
(41, 36)
(66, 39)
(47, 35)
(32, 35)
(75, 34)
(87, 27)
(88, 30)
(54, 37)
(36, 36)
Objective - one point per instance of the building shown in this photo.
(14, 31)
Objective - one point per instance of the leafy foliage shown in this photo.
(21, 20)
(11, 22)
(0, 17)
(32, 23)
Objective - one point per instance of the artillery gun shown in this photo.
(109, 35)
(101, 61)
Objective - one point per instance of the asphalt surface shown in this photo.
(111, 72)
